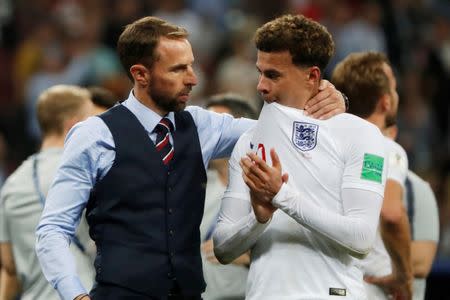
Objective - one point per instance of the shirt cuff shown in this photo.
(70, 287)
(281, 196)
(255, 226)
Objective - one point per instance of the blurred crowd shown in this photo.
(48, 42)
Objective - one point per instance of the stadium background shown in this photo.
(47, 42)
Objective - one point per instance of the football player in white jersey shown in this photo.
(310, 213)
(368, 79)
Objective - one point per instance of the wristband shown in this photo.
(346, 102)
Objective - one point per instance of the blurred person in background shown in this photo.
(145, 224)
(236, 72)
(24, 193)
(423, 216)
(74, 56)
(367, 78)
(222, 281)
(102, 99)
(3, 161)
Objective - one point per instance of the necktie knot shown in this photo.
(164, 126)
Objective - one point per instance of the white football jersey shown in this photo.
(378, 262)
(289, 261)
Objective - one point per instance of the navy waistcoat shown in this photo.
(144, 216)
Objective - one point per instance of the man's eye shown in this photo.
(272, 75)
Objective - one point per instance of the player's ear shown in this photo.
(314, 75)
(385, 102)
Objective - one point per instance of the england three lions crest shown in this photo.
(304, 135)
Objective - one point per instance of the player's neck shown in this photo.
(377, 119)
(52, 141)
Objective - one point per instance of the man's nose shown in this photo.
(191, 78)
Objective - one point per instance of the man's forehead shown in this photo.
(273, 59)
(177, 50)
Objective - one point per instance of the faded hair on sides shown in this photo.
(137, 43)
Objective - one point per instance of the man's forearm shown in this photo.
(397, 240)
(9, 285)
(422, 256)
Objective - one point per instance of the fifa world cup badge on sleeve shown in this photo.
(372, 167)
(304, 135)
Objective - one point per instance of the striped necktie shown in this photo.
(163, 145)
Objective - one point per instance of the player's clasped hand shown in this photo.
(264, 183)
(263, 180)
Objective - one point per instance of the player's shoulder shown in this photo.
(246, 137)
(397, 155)
(413, 177)
(352, 122)
(417, 182)
(19, 178)
(244, 143)
(353, 129)
(395, 148)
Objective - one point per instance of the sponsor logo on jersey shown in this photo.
(337, 292)
(304, 135)
(372, 167)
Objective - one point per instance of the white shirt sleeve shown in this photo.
(354, 229)
(237, 228)
(365, 158)
(3, 227)
(397, 163)
(362, 192)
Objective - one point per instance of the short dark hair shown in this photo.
(360, 76)
(238, 105)
(102, 97)
(308, 42)
(139, 39)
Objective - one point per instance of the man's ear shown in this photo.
(384, 103)
(314, 75)
(141, 74)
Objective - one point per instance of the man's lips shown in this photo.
(184, 97)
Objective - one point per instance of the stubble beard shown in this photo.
(390, 120)
(164, 102)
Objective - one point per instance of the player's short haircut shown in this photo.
(239, 106)
(360, 76)
(58, 104)
(102, 97)
(138, 41)
(308, 42)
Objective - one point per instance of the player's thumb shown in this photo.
(285, 178)
(374, 280)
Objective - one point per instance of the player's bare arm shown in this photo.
(10, 285)
(395, 232)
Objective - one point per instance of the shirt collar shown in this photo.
(147, 117)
